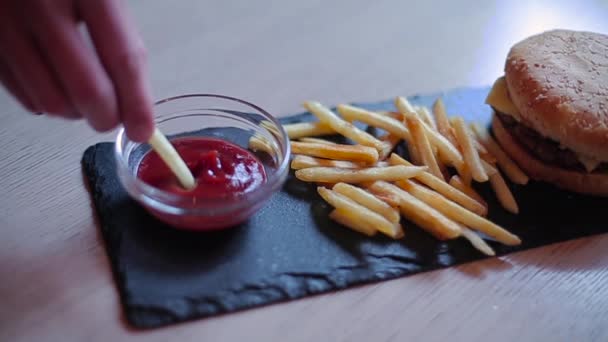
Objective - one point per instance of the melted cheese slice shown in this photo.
(500, 100)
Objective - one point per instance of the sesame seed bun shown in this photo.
(558, 80)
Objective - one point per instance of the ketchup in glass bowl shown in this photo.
(211, 133)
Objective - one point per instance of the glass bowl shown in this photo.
(212, 116)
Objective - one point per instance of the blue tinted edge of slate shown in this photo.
(160, 278)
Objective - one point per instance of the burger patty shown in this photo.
(544, 149)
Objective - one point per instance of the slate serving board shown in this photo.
(290, 249)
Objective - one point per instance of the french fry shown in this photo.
(395, 115)
(368, 200)
(506, 164)
(351, 113)
(270, 126)
(317, 141)
(488, 168)
(260, 143)
(480, 148)
(443, 169)
(307, 129)
(456, 182)
(172, 159)
(503, 193)
(422, 144)
(427, 119)
(447, 190)
(488, 157)
(413, 153)
(459, 214)
(391, 200)
(341, 126)
(303, 162)
(477, 242)
(345, 218)
(465, 173)
(354, 153)
(443, 124)
(419, 212)
(335, 175)
(448, 153)
(404, 106)
(361, 213)
(470, 154)
(425, 115)
(389, 141)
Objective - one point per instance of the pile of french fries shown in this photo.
(371, 188)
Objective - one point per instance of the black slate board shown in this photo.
(290, 249)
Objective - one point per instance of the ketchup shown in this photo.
(222, 170)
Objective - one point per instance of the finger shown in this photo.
(123, 55)
(14, 88)
(28, 70)
(82, 76)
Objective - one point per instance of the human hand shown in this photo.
(47, 64)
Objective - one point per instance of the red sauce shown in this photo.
(221, 169)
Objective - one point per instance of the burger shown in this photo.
(550, 109)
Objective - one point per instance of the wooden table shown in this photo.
(55, 280)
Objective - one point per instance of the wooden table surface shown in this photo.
(55, 281)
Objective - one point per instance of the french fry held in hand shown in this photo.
(169, 155)
(425, 152)
(335, 175)
(506, 164)
(470, 153)
(444, 188)
(341, 126)
(459, 214)
(368, 200)
(307, 129)
(361, 213)
(418, 212)
(354, 153)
